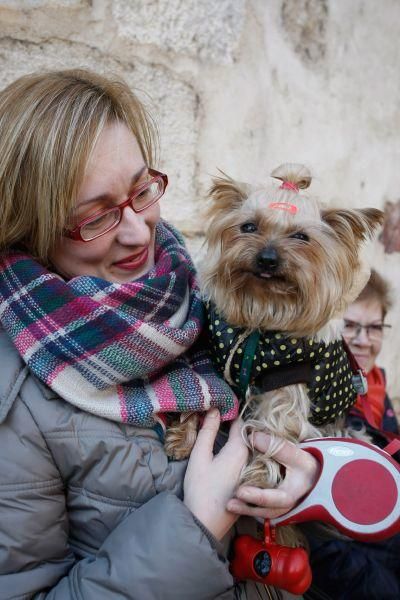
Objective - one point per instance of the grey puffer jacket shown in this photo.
(91, 509)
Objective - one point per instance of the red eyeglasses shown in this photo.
(142, 197)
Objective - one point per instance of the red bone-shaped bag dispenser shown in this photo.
(270, 563)
(357, 491)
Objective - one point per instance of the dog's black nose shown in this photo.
(267, 260)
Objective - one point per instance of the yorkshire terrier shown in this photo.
(279, 271)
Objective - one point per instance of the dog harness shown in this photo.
(269, 360)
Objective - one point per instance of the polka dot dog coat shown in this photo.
(270, 360)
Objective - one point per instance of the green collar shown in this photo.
(246, 370)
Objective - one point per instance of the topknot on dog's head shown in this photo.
(293, 173)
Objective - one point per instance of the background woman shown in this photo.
(347, 569)
(364, 332)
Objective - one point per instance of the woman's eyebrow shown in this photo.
(139, 174)
(108, 196)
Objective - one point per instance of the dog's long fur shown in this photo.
(314, 273)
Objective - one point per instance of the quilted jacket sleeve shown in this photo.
(158, 551)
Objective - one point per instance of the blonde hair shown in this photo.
(49, 125)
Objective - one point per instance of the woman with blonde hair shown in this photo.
(100, 335)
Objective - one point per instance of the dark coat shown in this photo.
(352, 570)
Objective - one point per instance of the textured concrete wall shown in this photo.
(244, 85)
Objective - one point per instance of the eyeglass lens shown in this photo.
(103, 223)
(100, 224)
(373, 331)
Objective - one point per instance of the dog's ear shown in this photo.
(360, 280)
(226, 193)
(362, 222)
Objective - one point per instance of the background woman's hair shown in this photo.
(377, 288)
(49, 125)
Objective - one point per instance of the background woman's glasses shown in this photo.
(374, 331)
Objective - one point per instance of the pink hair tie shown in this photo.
(288, 185)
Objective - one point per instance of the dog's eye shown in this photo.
(248, 228)
(300, 236)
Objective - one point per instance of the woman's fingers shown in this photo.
(301, 473)
(264, 497)
(242, 508)
(235, 444)
(298, 462)
(210, 480)
(203, 448)
(234, 454)
(235, 430)
(286, 453)
(265, 503)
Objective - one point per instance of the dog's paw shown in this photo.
(175, 449)
(180, 437)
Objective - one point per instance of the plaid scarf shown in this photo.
(122, 351)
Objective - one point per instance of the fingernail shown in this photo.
(243, 494)
(213, 413)
(233, 506)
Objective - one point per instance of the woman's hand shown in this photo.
(301, 473)
(210, 480)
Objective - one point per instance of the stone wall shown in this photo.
(243, 85)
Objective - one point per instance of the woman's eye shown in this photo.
(144, 193)
(99, 221)
(300, 236)
(376, 328)
(248, 228)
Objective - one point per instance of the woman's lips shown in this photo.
(135, 261)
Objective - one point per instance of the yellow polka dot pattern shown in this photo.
(331, 390)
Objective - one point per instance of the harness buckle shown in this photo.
(359, 382)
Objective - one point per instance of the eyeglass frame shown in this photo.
(75, 233)
(358, 327)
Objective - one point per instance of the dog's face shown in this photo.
(277, 260)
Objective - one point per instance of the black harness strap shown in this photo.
(283, 376)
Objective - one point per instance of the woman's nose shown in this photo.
(362, 338)
(133, 230)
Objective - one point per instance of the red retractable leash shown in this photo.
(357, 491)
